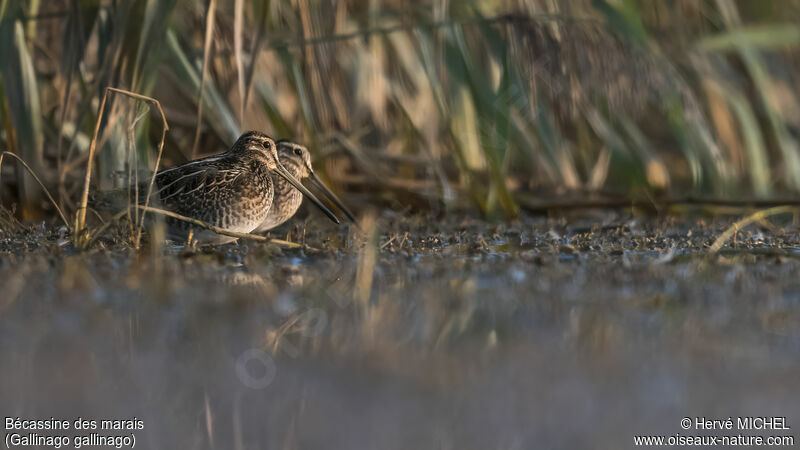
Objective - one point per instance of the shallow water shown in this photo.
(545, 333)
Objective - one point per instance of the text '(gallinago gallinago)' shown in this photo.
(233, 190)
(297, 160)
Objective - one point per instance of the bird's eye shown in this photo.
(267, 145)
(298, 152)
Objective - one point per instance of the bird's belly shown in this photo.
(245, 217)
(242, 215)
(283, 208)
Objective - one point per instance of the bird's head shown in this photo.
(293, 155)
(263, 147)
(297, 157)
(258, 144)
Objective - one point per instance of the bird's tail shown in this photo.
(113, 201)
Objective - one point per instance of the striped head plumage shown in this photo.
(297, 160)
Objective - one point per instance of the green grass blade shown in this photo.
(221, 120)
(22, 94)
(771, 37)
(655, 169)
(33, 10)
(623, 19)
(292, 67)
(238, 38)
(681, 131)
(149, 46)
(754, 141)
(787, 144)
(494, 111)
(269, 100)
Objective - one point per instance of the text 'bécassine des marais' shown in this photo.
(16, 423)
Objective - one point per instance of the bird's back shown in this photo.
(231, 192)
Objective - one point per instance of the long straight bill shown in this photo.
(333, 198)
(285, 174)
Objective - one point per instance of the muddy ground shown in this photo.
(457, 334)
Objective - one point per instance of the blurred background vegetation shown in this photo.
(492, 105)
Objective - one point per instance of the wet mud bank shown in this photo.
(464, 334)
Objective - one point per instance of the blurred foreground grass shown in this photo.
(441, 334)
(431, 104)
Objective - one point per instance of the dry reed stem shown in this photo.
(738, 225)
(531, 203)
(133, 169)
(238, 31)
(99, 231)
(212, 7)
(209, 421)
(38, 180)
(277, 335)
(367, 259)
(278, 40)
(80, 221)
(386, 244)
(254, 52)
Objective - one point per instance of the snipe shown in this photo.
(234, 190)
(297, 161)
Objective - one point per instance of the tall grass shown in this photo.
(484, 102)
(21, 98)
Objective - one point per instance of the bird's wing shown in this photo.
(188, 189)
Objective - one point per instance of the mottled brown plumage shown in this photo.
(287, 199)
(233, 190)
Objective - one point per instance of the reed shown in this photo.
(479, 103)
